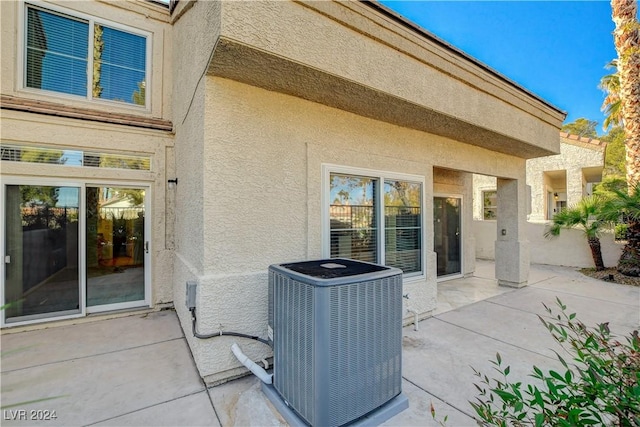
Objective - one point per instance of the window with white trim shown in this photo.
(376, 219)
(84, 57)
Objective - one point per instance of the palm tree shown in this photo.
(584, 215)
(627, 41)
(626, 37)
(625, 206)
(611, 106)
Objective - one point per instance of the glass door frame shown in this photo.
(82, 185)
(461, 235)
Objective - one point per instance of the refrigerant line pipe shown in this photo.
(242, 358)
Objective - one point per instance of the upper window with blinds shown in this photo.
(85, 57)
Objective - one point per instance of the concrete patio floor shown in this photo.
(138, 370)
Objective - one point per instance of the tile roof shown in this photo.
(584, 140)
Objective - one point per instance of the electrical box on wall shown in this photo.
(190, 299)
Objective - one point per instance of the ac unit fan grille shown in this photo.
(365, 362)
(295, 379)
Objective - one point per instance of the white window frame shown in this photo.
(91, 20)
(381, 176)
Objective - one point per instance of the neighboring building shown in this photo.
(563, 179)
(555, 181)
(252, 133)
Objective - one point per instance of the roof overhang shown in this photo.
(401, 77)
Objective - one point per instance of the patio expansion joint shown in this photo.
(542, 280)
(585, 297)
(441, 399)
(92, 355)
(147, 407)
(496, 339)
(514, 308)
(202, 381)
(215, 411)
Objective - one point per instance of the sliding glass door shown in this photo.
(69, 250)
(42, 269)
(116, 247)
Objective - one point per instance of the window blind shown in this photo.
(58, 50)
(119, 62)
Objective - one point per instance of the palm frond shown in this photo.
(612, 105)
(584, 215)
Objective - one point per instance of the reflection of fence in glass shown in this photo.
(48, 240)
(403, 238)
(133, 212)
(353, 216)
(66, 157)
(38, 217)
(354, 235)
(353, 232)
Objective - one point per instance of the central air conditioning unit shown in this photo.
(336, 331)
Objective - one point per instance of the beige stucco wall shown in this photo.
(196, 27)
(262, 202)
(346, 54)
(195, 35)
(291, 88)
(569, 249)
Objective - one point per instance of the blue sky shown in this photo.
(555, 49)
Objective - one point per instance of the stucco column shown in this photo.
(575, 185)
(512, 246)
(538, 197)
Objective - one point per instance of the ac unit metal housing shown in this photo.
(336, 331)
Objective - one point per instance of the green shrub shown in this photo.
(600, 385)
(621, 231)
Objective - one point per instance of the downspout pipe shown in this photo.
(251, 365)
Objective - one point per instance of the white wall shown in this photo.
(570, 248)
